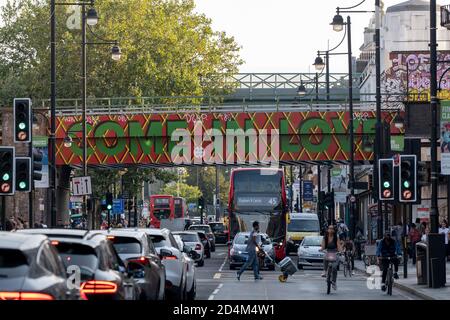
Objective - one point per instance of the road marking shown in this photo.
(223, 264)
(216, 291)
(217, 276)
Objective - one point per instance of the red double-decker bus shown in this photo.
(161, 207)
(258, 194)
(180, 207)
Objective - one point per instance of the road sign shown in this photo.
(352, 199)
(81, 186)
(308, 190)
(117, 206)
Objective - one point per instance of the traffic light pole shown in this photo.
(30, 194)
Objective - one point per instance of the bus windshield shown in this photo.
(254, 191)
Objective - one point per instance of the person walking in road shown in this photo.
(252, 259)
(414, 237)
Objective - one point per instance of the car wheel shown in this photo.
(201, 263)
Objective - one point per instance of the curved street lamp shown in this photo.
(338, 22)
(319, 64)
(92, 17)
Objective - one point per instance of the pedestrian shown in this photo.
(342, 231)
(445, 230)
(414, 237)
(10, 225)
(252, 259)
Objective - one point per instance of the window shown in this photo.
(13, 263)
(188, 237)
(151, 246)
(418, 22)
(125, 245)
(173, 241)
(79, 255)
(303, 225)
(159, 241)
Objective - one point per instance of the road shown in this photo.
(216, 282)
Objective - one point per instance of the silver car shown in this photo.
(309, 254)
(191, 271)
(193, 242)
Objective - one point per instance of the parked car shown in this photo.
(209, 234)
(177, 282)
(309, 254)
(30, 269)
(99, 264)
(190, 256)
(193, 242)
(220, 232)
(206, 244)
(142, 261)
(239, 255)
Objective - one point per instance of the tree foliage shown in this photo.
(190, 193)
(167, 50)
(207, 183)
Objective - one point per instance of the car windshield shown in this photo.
(312, 241)
(188, 237)
(13, 263)
(243, 239)
(217, 227)
(77, 254)
(159, 241)
(303, 225)
(126, 245)
(207, 229)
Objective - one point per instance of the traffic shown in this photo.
(163, 260)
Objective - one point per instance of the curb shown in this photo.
(404, 288)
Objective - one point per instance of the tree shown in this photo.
(167, 50)
(181, 189)
(207, 183)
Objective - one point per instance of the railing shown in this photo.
(288, 80)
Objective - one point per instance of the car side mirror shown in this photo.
(165, 253)
(122, 269)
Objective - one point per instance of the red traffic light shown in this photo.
(407, 194)
(387, 193)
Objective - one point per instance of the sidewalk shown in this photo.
(410, 284)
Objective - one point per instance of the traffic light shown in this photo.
(22, 120)
(201, 203)
(36, 159)
(23, 174)
(328, 201)
(408, 178)
(7, 170)
(386, 179)
(109, 201)
(422, 174)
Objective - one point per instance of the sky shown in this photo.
(284, 35)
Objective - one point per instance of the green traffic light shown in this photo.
(6, 177)
(22, 126)
(109, 207)
(406, 184)
(386, 184)
(22, 185)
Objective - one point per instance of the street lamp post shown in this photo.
(52, 142)
(89, 18)
(338, 25)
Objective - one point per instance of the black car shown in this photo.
(102, 273)
(142, 260)
(206, 243)
(30, 269)
(220, 232)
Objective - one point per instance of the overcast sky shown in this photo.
(284, 35)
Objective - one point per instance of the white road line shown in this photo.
(217, 276)
(223, 264)
(211, 297)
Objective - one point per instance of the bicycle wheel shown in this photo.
(345, 269)
(389, 281)
(329, 280)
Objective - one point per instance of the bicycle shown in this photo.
(333, 259)
(389, 275)
(347, 263)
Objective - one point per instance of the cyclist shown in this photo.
(388, 248)
(349, 249)
(330, 242)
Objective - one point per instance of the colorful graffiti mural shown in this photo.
(409, 73)
(148, 138)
